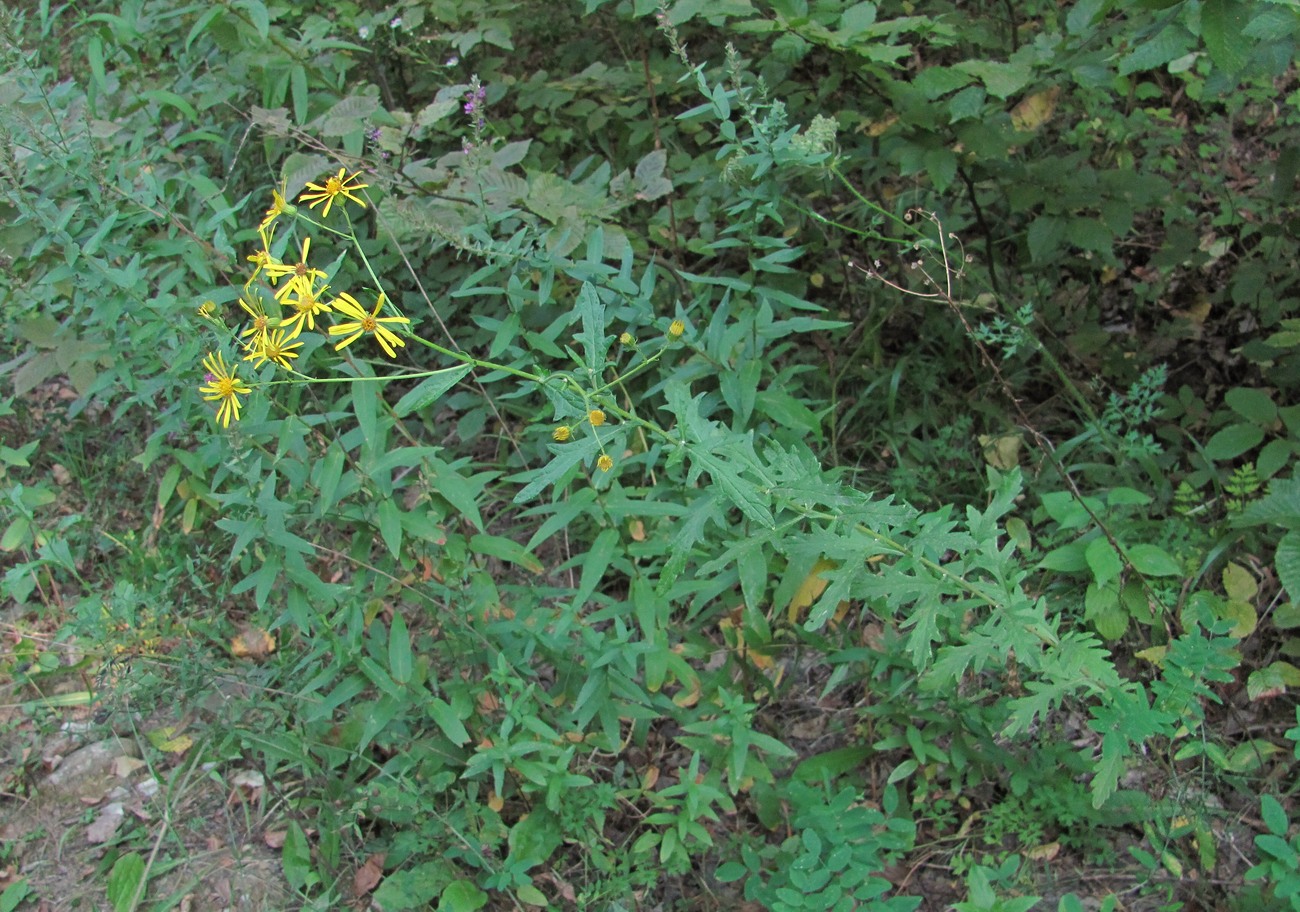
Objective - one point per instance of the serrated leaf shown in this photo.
(1168, 43)
(1103, 560)
(429, 390)
(1287, 563)
(1222, 22)
(1001, 79)
(295, 856)
(739, 490)
(1272, 680)
(566, 457)
(1045, 236)
(591, 310)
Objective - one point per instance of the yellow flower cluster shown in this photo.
(298, 294)
(596, 418)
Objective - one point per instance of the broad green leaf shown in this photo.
(430, 390)
(531, 896)
(1166, 44)
(1103, 560)
(415, 887)
(1255, 405)
(124, 880)
(1045, 236)
(446, 719)
(1069, 558)
(1152, 560)
(1287, 563)
(14, 894)
(389, 517)
(1275, 818)
(594, 564)
(295, 856)
(1001, 79)
(399, 650)
(1222, 22)
(462, 896)
(1232, 441)
(507, 549)
(591, 310)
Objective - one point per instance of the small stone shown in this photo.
(106, 824)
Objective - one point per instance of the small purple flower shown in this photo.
(373, 134)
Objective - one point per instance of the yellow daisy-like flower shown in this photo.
(260, 324)
(562, 433)
(604, 463)
(278, 208)
(596, 417)
(306, 303)
(363, 323)
(221, 385)
(260, 260)
(301, 276)
(675, 329)
(277, 346)
(332, 189)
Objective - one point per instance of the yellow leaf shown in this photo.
(1244, 618)
(878, 127)
(1239, 583)
(812, 586)
(1035, 110)
(169, 741)
(1154, 654)
(1001, 452)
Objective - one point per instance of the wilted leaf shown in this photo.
(368, 875)
(809, 590)
(1001, 452)
(168, 740)
(1272, 681)
(1035, 110)
(1239, 584)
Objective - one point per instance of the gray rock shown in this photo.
(90, 762)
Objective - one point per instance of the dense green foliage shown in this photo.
(828, 436)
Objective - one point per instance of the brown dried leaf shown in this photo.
(368, 875)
